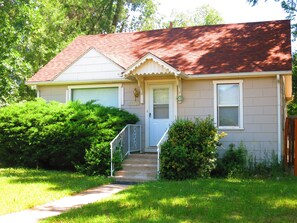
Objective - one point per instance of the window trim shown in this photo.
(119, 86)
(240, 83)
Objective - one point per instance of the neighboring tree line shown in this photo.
(33, 31)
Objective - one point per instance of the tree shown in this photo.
(107, 16)
(204, 15)
(33, 31)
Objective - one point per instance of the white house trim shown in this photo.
(238, 75)
(279, 119)
(147, 101)
(105, 81)
(150, 56)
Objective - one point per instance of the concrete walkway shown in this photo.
(57, 207)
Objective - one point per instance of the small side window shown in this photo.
(228, 104)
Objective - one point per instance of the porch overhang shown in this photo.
(152, 66)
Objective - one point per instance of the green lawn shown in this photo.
(23, 188)
(205, 200)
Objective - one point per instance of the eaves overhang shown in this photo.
(164, 68)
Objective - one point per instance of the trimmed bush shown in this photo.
(190, 150)
(60, 136)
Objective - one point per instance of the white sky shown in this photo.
(232, 11)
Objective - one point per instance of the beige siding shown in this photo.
(53, 93)
(259, 112)
(259, 131)
(91, 66)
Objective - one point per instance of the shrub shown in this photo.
(292, 107)
(267, 167)
(190, 150)
(60, 136)
(233, 163)
(237, 163)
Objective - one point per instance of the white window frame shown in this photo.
(240, 83)
(119, 86)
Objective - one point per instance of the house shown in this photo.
(240, 74)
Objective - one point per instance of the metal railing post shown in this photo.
(111, 158)
(120, 141)
(162, 140)
(129, 141)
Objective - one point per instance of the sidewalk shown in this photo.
(57, 207)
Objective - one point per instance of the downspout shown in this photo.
(279, 120)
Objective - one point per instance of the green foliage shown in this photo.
(190, 150)
(292, 107)
(233, 163)
(204, 15)
(237, 163)
(42, 28)
(267, 167)
(60, 136)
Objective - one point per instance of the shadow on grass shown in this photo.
(207, 200)
(59, 180)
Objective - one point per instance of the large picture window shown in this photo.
(103, 95)
(228, 104)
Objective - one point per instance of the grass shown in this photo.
(25, 188)
(204, 200)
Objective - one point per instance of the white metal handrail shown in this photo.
(127, 141)
(162, 140)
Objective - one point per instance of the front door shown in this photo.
(160, 111)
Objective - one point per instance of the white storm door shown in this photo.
(160, 111)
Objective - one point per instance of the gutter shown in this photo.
(279, 119)
(238, 75)
(103, 81)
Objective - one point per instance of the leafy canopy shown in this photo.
(33, 31)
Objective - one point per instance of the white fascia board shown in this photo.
(239, 75)
(121, 80)
(155, 59)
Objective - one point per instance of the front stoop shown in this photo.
(138, 168)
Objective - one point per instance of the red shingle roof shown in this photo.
(231, 48)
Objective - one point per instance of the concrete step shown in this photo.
(143, 155)
(119, 179)
(141, 159)
(138, 168)
(138, 162)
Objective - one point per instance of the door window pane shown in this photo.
(161, 103)
(161, 96)
(104, 96)
(161, 111)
